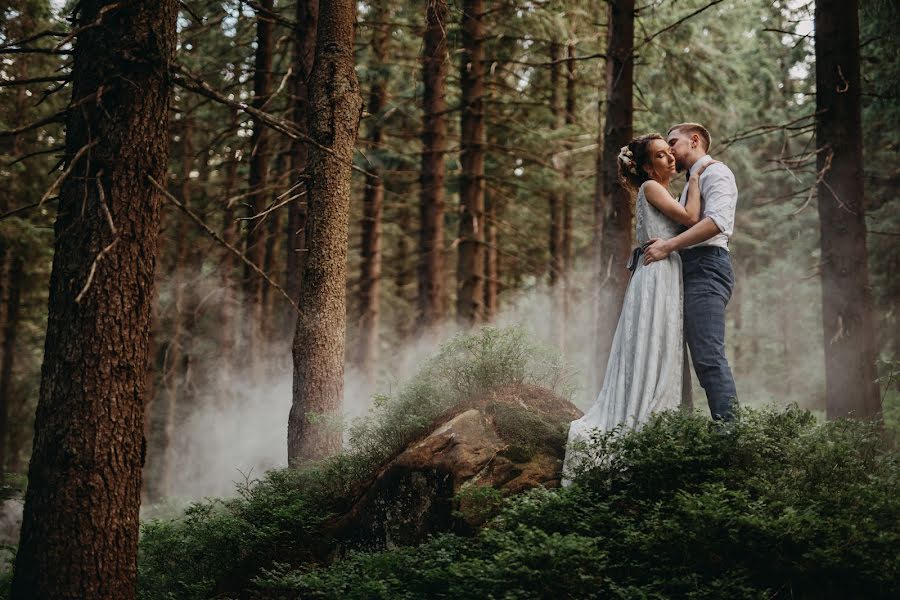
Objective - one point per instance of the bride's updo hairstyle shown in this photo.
(633, 158)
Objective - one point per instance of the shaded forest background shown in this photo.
(221, 360)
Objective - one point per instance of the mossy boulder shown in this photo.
(510, 440)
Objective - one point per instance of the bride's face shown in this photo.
(661, 164)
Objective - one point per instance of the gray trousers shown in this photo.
(708, 283)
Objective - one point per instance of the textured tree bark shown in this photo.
(430, 271)
(11, 261)
(557, 200)
(173, 367)
(403, 276)
(275, 224)
(4, 313)
(14, 276)
(12, 264)
(598, 317)
(558, 119)
(567, 200)
(470, 266)
(366, 351)
(491, 259)
(228, 304)
(162, 400)
(304, 53)
(80, 526)
(318, 350)
(254, 295)
(850, 386)
(567, 196)
(618, 214)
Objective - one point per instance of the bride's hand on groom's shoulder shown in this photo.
(703, 168)
(656, 250)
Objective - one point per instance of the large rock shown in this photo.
(509, 441)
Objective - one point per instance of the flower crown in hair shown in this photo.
(627, 157)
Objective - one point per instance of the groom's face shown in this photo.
(680, 145)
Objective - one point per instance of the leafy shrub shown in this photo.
(478, 503)
(466, 368)
(217, 544)
(776, 506)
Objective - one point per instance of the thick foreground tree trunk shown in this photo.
(434, 141)
(470, 266)
(617, 234)
(850, 386)
(80, 528)
(318, 350)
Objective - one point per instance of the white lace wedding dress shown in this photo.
(644, 371)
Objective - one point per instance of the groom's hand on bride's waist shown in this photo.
(656, 250)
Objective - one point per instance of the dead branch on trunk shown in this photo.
(211, 232)
(192, 82)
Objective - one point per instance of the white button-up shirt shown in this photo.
(718, 199)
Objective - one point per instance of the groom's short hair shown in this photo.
(692, 128)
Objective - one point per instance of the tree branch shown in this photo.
(191, 82)
(51, 79)
(209, 231)
(678, 23)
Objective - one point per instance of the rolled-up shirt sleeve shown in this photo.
(719, 192)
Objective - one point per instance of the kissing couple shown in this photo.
(681, 283)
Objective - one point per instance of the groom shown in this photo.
(706, 265)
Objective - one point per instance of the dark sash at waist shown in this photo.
(635, 257)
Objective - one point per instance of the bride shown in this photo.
(644, 371)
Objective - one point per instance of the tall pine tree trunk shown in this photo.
(491, 258)
(850, 386)
(567, 196)
(318, 350)
(11, 261)
(306, 18)
(366, 350)
(405, 262)
(227, 307)
(14, 275)
(556, 201)
(557, 120)
(430, 271)
(598, 317)
(567, 199)
(470, 266)
(173, 380)
(617, 234)
(80, 527)
(254, 300)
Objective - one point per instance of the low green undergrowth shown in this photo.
(777, 506)
(217, 546)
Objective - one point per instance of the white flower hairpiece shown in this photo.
(627, 157)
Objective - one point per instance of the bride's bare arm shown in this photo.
(659, 197)
(692, 206)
